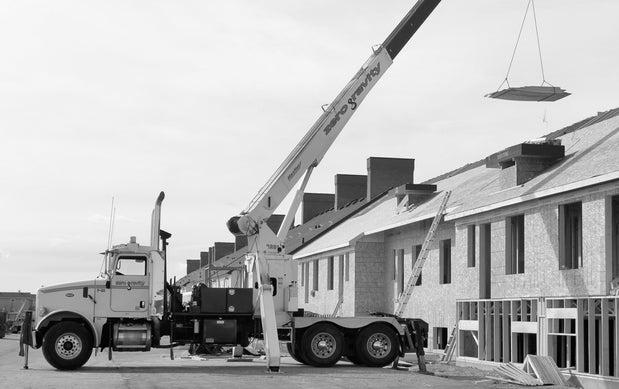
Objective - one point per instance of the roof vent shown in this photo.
(521, 163)
(409, 194)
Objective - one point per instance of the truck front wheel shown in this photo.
(322, 345)
(67, 345)
(377, 345)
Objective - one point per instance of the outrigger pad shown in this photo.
(530, 93)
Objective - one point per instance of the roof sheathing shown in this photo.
(591, 158)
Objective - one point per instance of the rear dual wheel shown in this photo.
(322, 345)
(295, 354)
(376, 346)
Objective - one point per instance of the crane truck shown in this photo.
(118, 311)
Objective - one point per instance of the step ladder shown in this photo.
(451, 346)
(421, 259)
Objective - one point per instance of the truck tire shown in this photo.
(377, 345)
(322, 345)
(67, 345)
(293, 354)
(354, 359)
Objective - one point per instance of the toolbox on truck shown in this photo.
(240, 300)
(226, 300)
(220, 331)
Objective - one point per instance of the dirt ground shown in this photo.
(155, 370)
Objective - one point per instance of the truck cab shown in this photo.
(72, 318)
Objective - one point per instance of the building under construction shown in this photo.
(525, 259)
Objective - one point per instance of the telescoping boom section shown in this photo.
(267, 259)
(314, 145)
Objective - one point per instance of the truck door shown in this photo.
(129, 286)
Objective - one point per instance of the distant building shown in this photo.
(12, 301)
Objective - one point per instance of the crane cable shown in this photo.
(530, 4)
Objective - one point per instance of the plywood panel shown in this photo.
(468, 325)
(561, 313)
(527, 327)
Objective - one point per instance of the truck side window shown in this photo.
(131, 266)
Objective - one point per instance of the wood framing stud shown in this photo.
(591, 341)
(580, 336)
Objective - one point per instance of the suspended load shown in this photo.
(544, 92)
(530, 93)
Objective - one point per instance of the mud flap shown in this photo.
(25, 338)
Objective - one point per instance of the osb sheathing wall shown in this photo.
(323, 301)
(542, 276)
(372, 288)
(431, 301)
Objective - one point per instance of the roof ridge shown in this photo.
(600, 117)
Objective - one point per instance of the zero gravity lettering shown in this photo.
(352, 100)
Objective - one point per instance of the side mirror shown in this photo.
(108, 284)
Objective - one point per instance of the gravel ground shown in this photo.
(155, 370)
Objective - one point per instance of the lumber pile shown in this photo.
(451, 346)
(510, 373)
(545, 369)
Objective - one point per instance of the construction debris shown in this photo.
(451, 346)
(510, 373)
(545, 369)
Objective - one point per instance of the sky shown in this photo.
(204, 99)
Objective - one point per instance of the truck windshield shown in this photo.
(131, 266)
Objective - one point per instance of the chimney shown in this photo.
(193, 265)
(221, 249)
(211, 255)
(349, 187)
(386, 173)
(414, 193)
(204, 258)
(314, 204)
(521, 163)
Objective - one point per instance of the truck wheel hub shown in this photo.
(323, 345)
(68, 346)
(378, 345)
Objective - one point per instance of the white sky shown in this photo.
(204, 99)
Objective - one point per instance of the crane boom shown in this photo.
(269, 267)
(313, 146)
